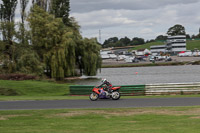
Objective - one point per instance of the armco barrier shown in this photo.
(132, 90)
(125, 90)
(80, 89)
(173, 89)
(149, 89)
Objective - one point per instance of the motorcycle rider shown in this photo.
(107, 85)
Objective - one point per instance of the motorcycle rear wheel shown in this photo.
(94, 96)
(115, 95)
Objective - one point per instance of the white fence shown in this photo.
(173, 88)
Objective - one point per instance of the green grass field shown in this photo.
(147, 45)
(33, 88)
(191, 45)
(132, 120)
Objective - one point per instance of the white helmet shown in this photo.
(103, 80)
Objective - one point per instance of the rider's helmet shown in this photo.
(103, 80)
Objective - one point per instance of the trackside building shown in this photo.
(173, 45)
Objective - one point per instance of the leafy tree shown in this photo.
(22, 38)
(114, 42)
(50, 44)
(111, 42)
(87, 51)
(53, 42)
(91, 57)
(176, 30)
(198, 35)
(41, 3)
(7, 29)
(7, 13)
(137, 41)
(61, 8)
(149, 41)
(161, 38)
(29, 63)
(125, 41)
(187, 36)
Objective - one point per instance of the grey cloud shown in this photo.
(91, 5)
(141, 18)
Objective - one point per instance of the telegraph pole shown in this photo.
(100, 36)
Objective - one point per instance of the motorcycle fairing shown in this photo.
(115, 88)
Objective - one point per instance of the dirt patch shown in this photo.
(130, 112)
(6, 117)
(195, 117)
(3, 118)
(78, 113)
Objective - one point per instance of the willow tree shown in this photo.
(91, 56)
(87, 51)
(53, 42)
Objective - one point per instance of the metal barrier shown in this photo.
(132, 90)
(149, 89)
(80, 89)
(173, 89)
(125, 90)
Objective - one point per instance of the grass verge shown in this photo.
(43, 90)
(33, 88)
(128, 120)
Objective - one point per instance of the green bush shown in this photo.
(17, 77)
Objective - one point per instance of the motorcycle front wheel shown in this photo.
(115, 95)
(94, 96)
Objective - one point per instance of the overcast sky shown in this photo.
(135, 18)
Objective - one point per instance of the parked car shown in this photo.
(135, 60)
(152, 58)
(185, 53)
(168, 58)
(129, 59)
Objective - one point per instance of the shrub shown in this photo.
(196, 63)
(17, 77)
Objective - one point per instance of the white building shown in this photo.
(174, 44)
(158, 48)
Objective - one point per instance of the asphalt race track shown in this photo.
(102, 103)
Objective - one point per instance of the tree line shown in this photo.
(172, 31)
(46, 41)
(115, 42)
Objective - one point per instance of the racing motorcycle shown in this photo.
(100, 93)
